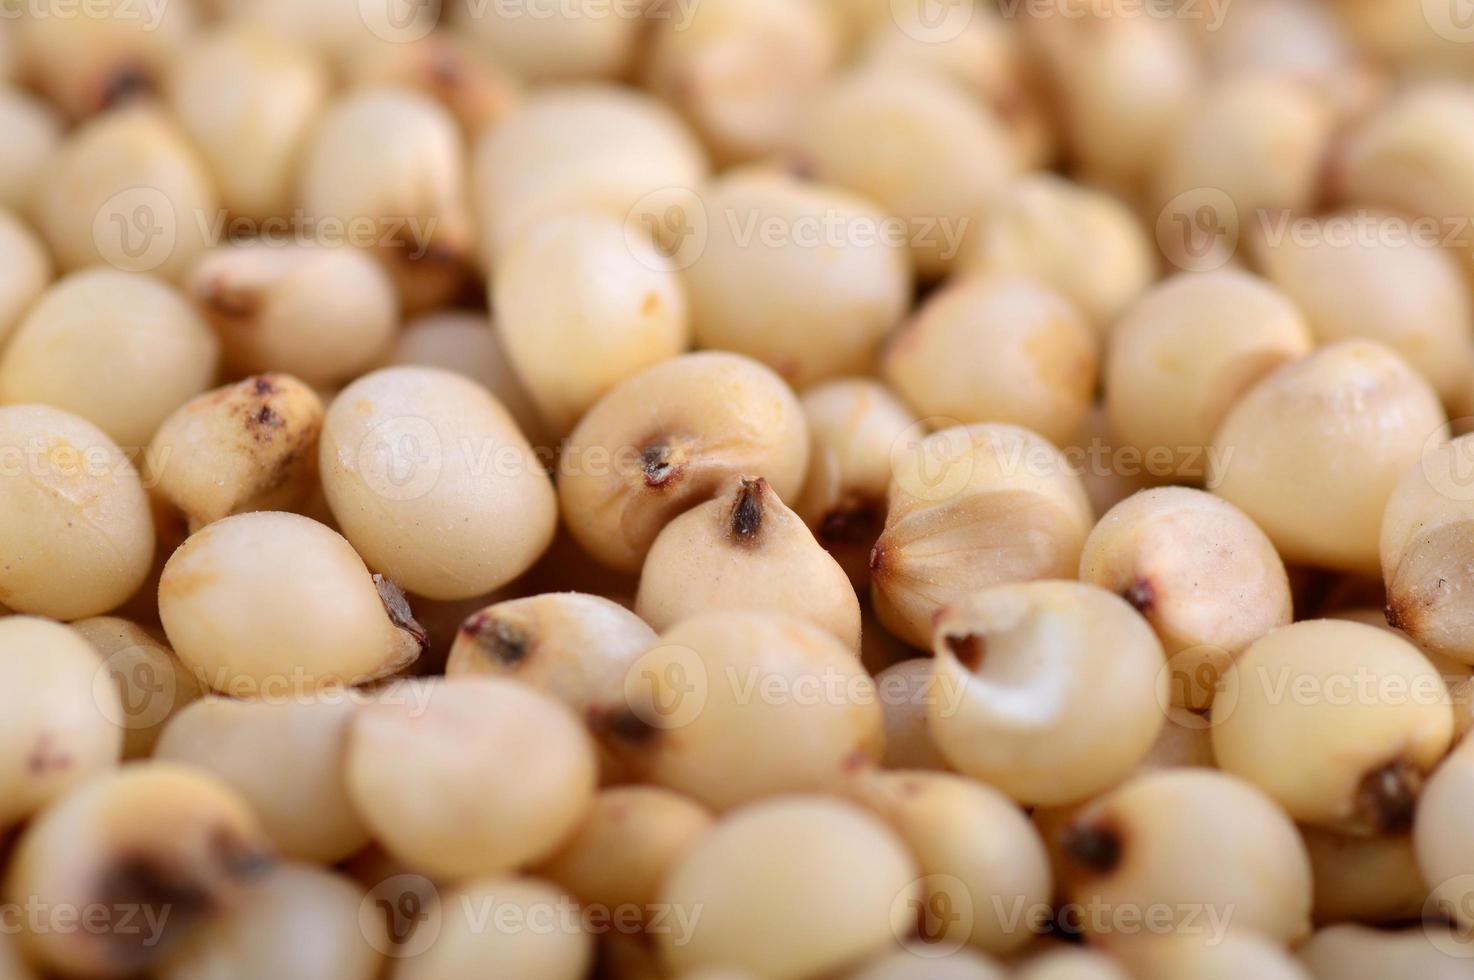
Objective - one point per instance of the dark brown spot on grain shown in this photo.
(1142, 596)
(267, 417)
(505, 643)
(124, 84)
(851, 522)
(878, 557)
(1094, 848)
(658, 465)
(1387, 798)
(745, 521)
(968, 649)
(218, 297)
(446, 71)
(46, 758)
(624, 725)
(400, 614)
(137, 889)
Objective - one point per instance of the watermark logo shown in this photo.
(1451, 902)
(136, 229)
(933, 21)
(401, 917)
(1198, 230)
(149, 14)
(933, 459)
(133, 689)
(1197, 677)
(667, 687)
(936, 915)
(400, 458)
(1448, 466)
(1452, 20)
(674, 220)
(399, 21)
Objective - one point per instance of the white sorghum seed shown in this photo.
(1416, 154)
(1313, 451)
(469, 776)
(745, 550)
(432, 482)
(1444, 854)
(984, 53)
(1364, 879)
(973, 506)
(127, 189)
(578, 648)
(11, 964)
(337, 29)
(248, 100)
(465, 949)
(1204, 576)
(1424, 549)
(667, 439)
(60, 710)
(153, 684)
(25, 269)
(975, 849)
(1082, 243)
(32, 132)
(322, 313)
(917, 961)
(1423, 45)
(1409, 295)
(90, 58)
(251, 446)
(575, 647)
(76, 531)
(731, 707)
(1356, 717)
(740, 70)
(471, 344)
(1046, 689)
(1070, 964)
(450, 68)
(795, 274)
(285, 757)
(121, 349)
(1123, 85)
(905, 692)
(626, 846)
(585, 148)
(581, 306)
(854, 423)
(1258, 140)
(917, 146)
(1183, 354)
(268, 604)
(546, 42)
(791, 887)
(1194, 841)
(297, 923)
(997, 349)
(392, 162)
(1203, 957)
(152, 842)
(1297, 39)
(1358, 952)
